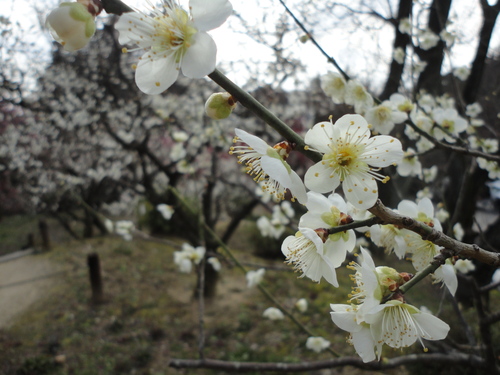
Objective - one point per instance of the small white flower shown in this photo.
(462, 73)
(188, 255)
(430, 174)
(410, 165)
(173, 40)
(357, 96)
(405, 26)
(268, 165)
(301, 305)
(317, 344)
(305, 251)
(124, 228)
(447, 37)
(215, 263)
(399, 55)
(334, 85)
(442, 215)
(273, 313)
(255, 277)
(458, 231)
(464, 266)
(180, 136)
(165, 210)
(451, 123)
(400, 325)
(350, 157)
(383, 117)
(427, 39)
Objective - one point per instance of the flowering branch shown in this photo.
(355, 224)
(457, 149)
(455, 247)
(263, 113)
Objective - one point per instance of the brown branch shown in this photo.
(388, 216)
(453, 359)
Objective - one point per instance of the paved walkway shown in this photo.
(23, 281)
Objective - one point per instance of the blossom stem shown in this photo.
(355, 224)
(263, 113)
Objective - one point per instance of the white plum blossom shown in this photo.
(410, 165)
(384, 116)
(215, 263)
(405, 26)
(328, 213)
(399, 325)
(306, 252)
(372, 324)
(401, 103)
(125, 229)
(302, 305)
(185, 258)
(350, 157)
(458, 231)
(317, 343)
(451, 123)
(491, 166)
(255, 277)
(165, 210)
(430, 174)
(447, 37)
(173, 40)
(268, 165)
(334, 85)
(464, 266)
(427, 39)
(357, 96)
(273, 313)
(399, 55)
(473, 110)
(462, 73)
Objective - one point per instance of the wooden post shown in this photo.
(44, 232)
(31, 241)
(95, 278)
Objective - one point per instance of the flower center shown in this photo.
(383, 113)
(174, 32)
(343, 159)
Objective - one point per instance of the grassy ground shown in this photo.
(150, 316)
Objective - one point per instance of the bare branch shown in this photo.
(455, 359)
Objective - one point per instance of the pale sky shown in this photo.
(350, 48)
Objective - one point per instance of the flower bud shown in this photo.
(220, 105)
(72, 25)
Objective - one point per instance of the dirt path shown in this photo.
(22, 282)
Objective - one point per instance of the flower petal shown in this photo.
(364, 344)
(155, 76)
(208, 15)
(135, 28)
(277, 170)
(433, 328)
(318, 178)
(320, 136)
(382, 150)
(361, 190)
(200, 57)
(254, 142)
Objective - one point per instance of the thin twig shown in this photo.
(330, 59)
